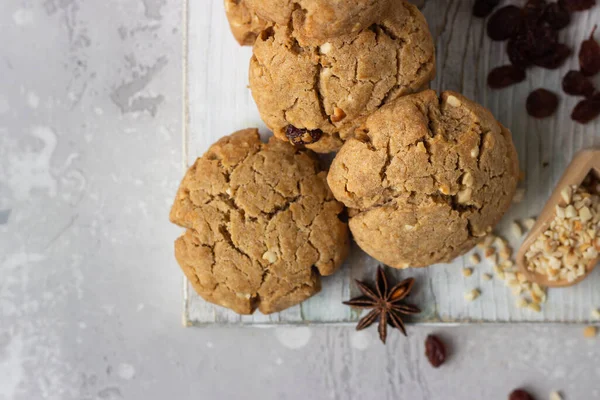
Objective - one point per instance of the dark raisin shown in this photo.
(557, 15)
(541, 103)
(503, 24)
(483, 8)
(577, 84)
(587, 110)
(540, 40)
(517, 53)
(519, 394)
(299, 136)
(554, 59)
(533, 11)
(435, 350)
(501, 77)
(580, 5)
(589, 56)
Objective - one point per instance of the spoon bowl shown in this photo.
(585, 162)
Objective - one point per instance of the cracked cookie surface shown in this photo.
(261, 224)
(244, 23)
(331, 88)
(425, 179)
(320, 20)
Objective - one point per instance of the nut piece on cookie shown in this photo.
(320, 20)
(330, 88)
(261, 224)
(243, 22)
(416, 193)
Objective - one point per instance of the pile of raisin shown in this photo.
(531, 33)
(577, 83)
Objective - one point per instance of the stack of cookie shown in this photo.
(422, 177)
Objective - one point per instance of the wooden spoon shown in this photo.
(585, 161)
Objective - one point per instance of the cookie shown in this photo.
(425, 179)
(320, 20)
(261, 224)
(243, 22)
(325, 92)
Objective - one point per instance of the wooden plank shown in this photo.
(219, 103)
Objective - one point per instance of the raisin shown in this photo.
(587, 110)
(483, 8)
(435, 351)
(517, 53)
(503, 24)
(540, 40)
(557, 15)
(519, 394)
(554, 59)
(299, 136)
(501, 77)
(577, 84)
(541, 103)
(533, 11)
(580, 5)
(589, 56)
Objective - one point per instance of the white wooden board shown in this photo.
(218, 103)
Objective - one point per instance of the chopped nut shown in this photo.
(464, 196)
(472, 295)
(566, 194)
(475, 258)
(487, 242)
(338, 115)
(468, 179)
(519, 196)
(590, 331)
(475, 152)
(325, 48)
(453, 101)
(529, 223)
(488, 277)
(555, 396)
(516, 230)
(270, 256)
(489, 252)
(585, 214)
(467, 272)
(596, 313)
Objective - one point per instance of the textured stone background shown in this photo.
(90, 295)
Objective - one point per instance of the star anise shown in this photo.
(386, 304)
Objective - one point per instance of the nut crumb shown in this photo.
(270, 256)
(475, 258)
(519, 196)
(467, 272)
(596, 313)
(590, 332)
(529, 223)
(555, 396)
(516, 230)
(472, 295)
(453, 101)
(487, 277)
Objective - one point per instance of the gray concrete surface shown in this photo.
(90, 295)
